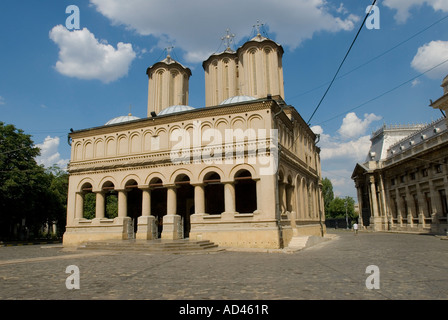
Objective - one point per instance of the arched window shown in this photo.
(245, 192)
(158, 202)
(214, 194)
(111, 199)
(134, 201)
(89, 204)
(184, 201)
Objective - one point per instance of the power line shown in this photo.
(374, 58)
(343, 60)
(386, 92)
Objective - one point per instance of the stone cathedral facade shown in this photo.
(244, 171)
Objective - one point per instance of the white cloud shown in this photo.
(2, 100)
(49, 154)
(353, 127)
(354, 149)
(196, 26)
(340, 152)
(415, 83)
(430, 55)
(403, 7)
(82, 56)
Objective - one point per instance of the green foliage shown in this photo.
(336, 207)
(30, 195)
(340, 206)
(111, 206)
(327, 193)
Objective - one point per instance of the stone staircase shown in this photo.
(153, 246)
(297, 243)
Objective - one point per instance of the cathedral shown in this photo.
(243, 171)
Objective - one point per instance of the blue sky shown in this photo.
(52, 79)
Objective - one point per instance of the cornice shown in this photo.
(189, 115)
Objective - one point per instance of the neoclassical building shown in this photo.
(244, 171)
(403, 183)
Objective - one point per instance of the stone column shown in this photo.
(122, 203)
(374, 204)
(79, 206)
(282, 196)
(229, 199)
(146, 225)
(100, 205)
(399, 208)
(359, 194)
(409, 205)
(199, 198)
(171, 221)
(171, 205)
(375, 220)
(123, 219)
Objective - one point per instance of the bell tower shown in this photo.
(168, 84)
(261, 69)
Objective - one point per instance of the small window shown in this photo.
(412, 175)
(425, 172)
(438, 168)
(392, 181)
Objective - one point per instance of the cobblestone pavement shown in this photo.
(410, 267)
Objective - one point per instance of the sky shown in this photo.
(56, 75)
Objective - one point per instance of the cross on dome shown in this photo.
(258, 27)
(228, 38)
(168, 51)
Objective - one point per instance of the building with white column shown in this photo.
(403, 183)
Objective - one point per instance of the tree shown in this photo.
(327, 193)
(30, 196)
(339, 206)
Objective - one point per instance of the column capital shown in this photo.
(198, 184)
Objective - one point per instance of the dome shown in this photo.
(121, 119)
(175, 109)
(237, 99)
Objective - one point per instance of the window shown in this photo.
(392, 181)
(412, 175)
(424, 172)
(438, 168)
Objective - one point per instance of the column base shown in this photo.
(146, 228)
(172, 227)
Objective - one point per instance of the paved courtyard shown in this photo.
(409, 267)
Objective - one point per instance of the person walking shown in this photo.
(355, 228)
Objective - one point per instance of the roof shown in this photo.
(175, 109)
(121, 119)
(237, 99)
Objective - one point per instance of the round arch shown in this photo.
(154, 175)
(243, 166)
